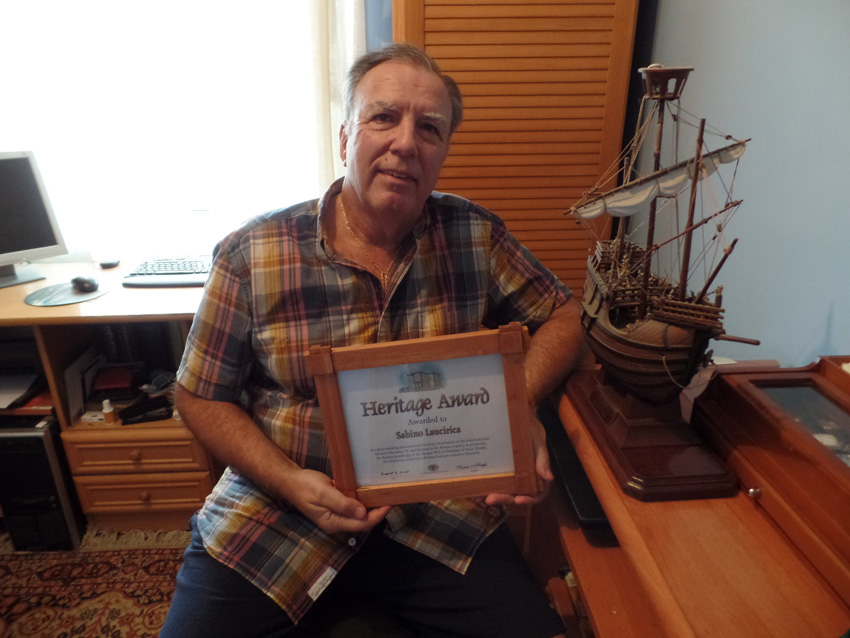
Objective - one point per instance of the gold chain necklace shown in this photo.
(384, 274)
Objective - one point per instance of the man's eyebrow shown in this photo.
(379, 105)
(436, 117)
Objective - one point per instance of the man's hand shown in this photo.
(314, 494)
(227, 431)
(544, 471)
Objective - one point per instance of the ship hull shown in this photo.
(651, 360)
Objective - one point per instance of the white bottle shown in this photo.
(108, 411)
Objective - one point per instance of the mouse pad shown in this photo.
(60, 295)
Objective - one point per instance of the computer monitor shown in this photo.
(28, 228)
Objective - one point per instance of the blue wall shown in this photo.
(777, 71)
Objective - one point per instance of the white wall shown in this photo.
(776, 71)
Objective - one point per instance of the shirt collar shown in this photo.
(326, 208)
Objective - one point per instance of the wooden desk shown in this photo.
(150, 475)
(714, 567)
(119, 304)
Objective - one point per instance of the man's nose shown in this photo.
(404, 139)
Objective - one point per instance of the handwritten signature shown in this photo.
(474, 466)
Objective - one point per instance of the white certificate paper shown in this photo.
(427, 421)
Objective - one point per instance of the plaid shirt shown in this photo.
(275, 289)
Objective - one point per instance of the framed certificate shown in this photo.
(427, 419)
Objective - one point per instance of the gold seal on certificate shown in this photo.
(427, 419)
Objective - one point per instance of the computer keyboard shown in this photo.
(169, 273)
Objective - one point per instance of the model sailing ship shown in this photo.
(647, 328)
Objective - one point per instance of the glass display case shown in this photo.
(815, 405)
(786, 435)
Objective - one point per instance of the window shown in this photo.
(158, 126)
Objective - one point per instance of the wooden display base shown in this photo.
(652, 451)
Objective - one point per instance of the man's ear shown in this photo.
(343, 142)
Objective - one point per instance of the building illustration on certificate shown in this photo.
(423, 381)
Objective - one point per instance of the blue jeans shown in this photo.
(414, 595)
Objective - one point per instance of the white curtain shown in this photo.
(159, 126)
(340, 37)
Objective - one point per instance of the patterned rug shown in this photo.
(87, 593)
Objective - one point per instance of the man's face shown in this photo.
(397, 139)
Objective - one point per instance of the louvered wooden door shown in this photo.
(544, 86)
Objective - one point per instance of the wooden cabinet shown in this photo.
(153, 475)
(150, 475)
(765, 424)
(545, 87)
(773, 562)
(103, 450)
(155, 493)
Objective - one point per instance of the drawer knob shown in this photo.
(135, 455)
(144, 497)
(754, 493)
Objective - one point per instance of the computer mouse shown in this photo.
(84, 284)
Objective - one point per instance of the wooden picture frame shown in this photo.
(425, 441)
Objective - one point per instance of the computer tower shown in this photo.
(40, 507)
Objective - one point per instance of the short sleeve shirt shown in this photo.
(275, 289)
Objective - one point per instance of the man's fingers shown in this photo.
(345, 507)
(336, 512)
(541, 452)
(337, 523)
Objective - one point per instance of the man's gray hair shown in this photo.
(409, 54)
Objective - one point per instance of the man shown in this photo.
(380, 257)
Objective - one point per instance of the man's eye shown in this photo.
(432, 129)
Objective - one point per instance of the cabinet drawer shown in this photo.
(96, 455)
(143, 492)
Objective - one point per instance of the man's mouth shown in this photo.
(399, 175)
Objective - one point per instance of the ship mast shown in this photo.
(686, 250)
(663, 85)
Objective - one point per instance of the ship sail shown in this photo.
(635, 196)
